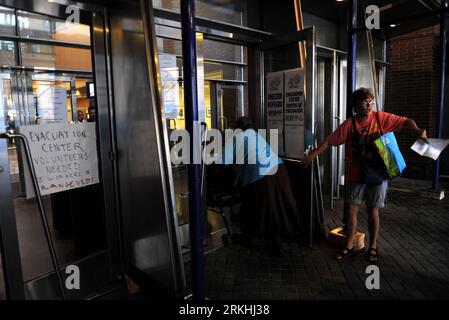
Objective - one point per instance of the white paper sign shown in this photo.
(432, 149)
(64, 156)
(275, 105)
(294, 113)
(52, 105)
(170, 85)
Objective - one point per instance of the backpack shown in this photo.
(365, 153)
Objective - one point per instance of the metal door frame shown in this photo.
(334, 56)
(111, 258)
(216, 95)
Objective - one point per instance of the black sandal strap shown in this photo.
(346, 251)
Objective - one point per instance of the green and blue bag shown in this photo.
(391, 156)
(381, 159)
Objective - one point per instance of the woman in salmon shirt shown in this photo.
(367, 124)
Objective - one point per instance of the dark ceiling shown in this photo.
(407, 15)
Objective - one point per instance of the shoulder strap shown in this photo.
(354, 127)
(376, 115)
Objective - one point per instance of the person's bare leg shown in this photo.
(352, 227)
(373, 227)
(345, 217)
(352, 224)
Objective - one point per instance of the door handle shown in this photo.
(41, 207)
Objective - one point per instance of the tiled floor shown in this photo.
(414, 261)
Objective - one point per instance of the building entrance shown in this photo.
(47, 93)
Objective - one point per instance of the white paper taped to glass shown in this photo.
(430, 148)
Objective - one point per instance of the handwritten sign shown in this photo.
(64, 156)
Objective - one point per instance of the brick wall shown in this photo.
(412, 90)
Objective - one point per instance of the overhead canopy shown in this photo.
(396, 17)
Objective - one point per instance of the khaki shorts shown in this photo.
(374, 196)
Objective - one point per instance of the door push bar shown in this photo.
(40, 203)
(203, 155)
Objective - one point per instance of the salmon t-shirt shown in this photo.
(369, 130)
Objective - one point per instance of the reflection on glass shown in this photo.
(222, 51)
(232, 104)
(40, 55)
(2, 283)
(169, 46)
(222, 71)
(42, 27)
(5, 118)
(43, 92)
(10, 117)
(180, 180)
(7, 53)
(7, 22)
(229, 11)
(82, 100)
(76, 217)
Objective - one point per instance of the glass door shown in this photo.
(290, 90)
(48, 93)
(76, 217)
(226, 104)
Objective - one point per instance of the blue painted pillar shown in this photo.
(440, 115)
(191, 110)
(352, 55)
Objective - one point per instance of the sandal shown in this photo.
(373, 256)
(344, 253)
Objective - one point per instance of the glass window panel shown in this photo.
(82, 99)
(222, 51)
(169, 46)
(229, 11)
(75, 217)
(169, 33)
(222, 71)
(40, 55)
(226, 11)
(38, 26)
(7, 53)
(42, 86)
(7, 22)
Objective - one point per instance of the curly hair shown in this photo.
(359, 96)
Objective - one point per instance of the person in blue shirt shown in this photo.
(268, 208)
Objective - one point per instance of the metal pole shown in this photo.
(352, 51)
(40, 204)
(440, 117)
(191, 105)
(351, 67)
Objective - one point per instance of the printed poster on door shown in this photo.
(170, 85)
(294, 112)
(275, 105)
(64, 156)
(51, 104)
